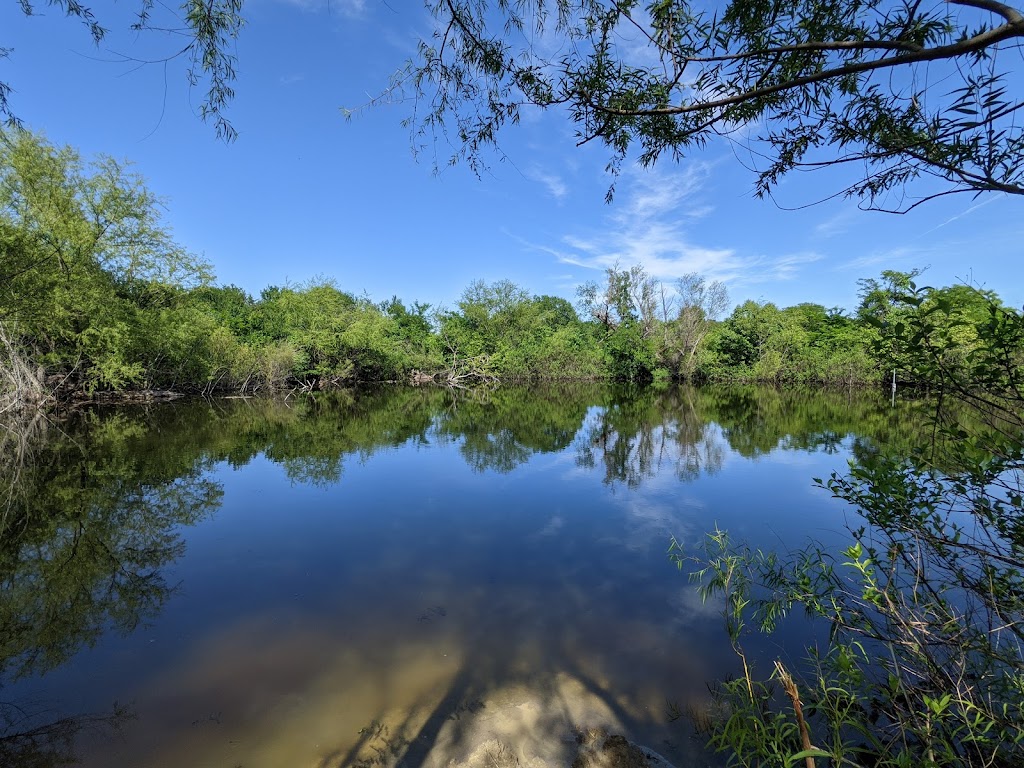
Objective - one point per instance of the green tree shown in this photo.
(850, 85)
(837, 348)
(742, 340)
(320, 336)
(883, 308)
(499, 330)
(697, 306)
(957, 313)
(846, 85)
(803, 343)
(230, 306)
(413, 322)
(85, 255)
(923, 663)
(487, 314)
(557, 312)
(625, 308)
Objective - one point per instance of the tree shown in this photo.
(884, 308)
(700, 305)
(924, 661)
(626, 309)
(901, 93)
(629, 296)
(909, 93)
(881, 300)
(748, 329)
(208, 27)
(557, 312)
(85, 256)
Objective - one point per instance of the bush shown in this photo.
(924, 662)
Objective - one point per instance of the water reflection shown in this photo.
(641, 434)
(498, 430)
(408, 572)
(87, 527)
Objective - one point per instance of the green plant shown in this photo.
(924, 661)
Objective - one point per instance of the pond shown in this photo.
(395, 577)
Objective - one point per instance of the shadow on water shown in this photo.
(488, 703)
(94, 511)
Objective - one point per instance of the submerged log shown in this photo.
(419, 377)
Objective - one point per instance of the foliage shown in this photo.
(629, 354)
(845, 85)
(500, 331)
(98, 518)
(29, 740)
(953, 335)
(19, 383)
(85, 254)
(924, 662)
(804, 343)
(503, 428)
(317, 336)
(697, 305)
(638, 431)
(96, 297)
(209, 30)
(626, 313)
(908, 92)
(87, 528)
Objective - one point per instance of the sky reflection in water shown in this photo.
(379, 575)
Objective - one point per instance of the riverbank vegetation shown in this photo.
(97, 298)
(923, 661)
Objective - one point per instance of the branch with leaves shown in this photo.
(916, 99)
(202, 33)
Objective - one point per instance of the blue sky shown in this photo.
(305, 193)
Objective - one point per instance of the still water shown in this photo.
(394, 577)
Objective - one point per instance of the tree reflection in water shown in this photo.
(92, 508)
(89, 520)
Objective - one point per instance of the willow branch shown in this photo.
(972, 45)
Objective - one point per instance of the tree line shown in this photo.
(97, 297)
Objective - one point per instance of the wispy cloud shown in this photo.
(649, 223)
(903, 256)
(966, 212)
(349, 8)
(555, 185)
(785, 267)
(837, 224)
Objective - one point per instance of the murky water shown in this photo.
(394, 577)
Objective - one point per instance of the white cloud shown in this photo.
(556, 187)
(899, 257)
(648, 225)
(786, 267)
(966, 212)
(838, 224)
(349, 8)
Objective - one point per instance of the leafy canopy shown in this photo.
(910, 99)
(905, 93)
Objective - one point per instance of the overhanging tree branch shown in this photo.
(974, 45)
(803, 73)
